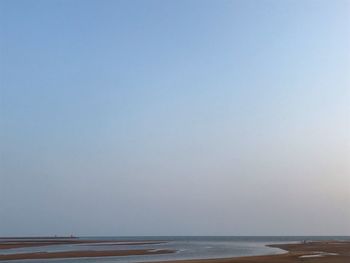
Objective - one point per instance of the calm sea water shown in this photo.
(187, 247)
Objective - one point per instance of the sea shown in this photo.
(186, 247)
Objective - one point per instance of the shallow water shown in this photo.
(186, 247)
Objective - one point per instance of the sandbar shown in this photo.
(83, 254)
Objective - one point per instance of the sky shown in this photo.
(174, 117)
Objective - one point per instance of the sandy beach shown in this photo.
(36, 242)
(12, 243)
(314, 252)
(84, 253)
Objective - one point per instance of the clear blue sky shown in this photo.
(175, 117)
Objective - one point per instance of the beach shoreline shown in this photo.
(83, 254)
(313, 252)
(36, 242)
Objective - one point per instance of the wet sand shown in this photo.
(84, 253)
(313, 252)
(21, 242)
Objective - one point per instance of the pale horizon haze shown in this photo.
(174, 117)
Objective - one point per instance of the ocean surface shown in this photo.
(187, 247)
